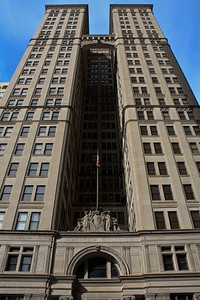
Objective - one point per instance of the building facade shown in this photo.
(3, 87)
(100, 164)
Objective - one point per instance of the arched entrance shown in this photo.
(97, 271)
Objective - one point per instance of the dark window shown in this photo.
(151, 168)
(194, 148)
(143, 130)
(170, 130)
(158, 148)
(182, 168)
(153, 130)
(195, 218)
(155, 193)
(160, 220)
(173, 220)
(187, 130)
(176, 148)
(48, 149)
(147, 148)
(167, 192)
(188, 191)
(162, 168)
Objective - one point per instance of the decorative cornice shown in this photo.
(132, 6)
(65, 6)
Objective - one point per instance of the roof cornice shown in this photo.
(63, 6)
(137, 6)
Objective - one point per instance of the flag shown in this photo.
(97, 161)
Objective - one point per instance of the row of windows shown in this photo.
(60, 80)
(42, 131)
(34, 102)
(35, 169)
(169, 219)
(156, 148)
(167, 192)
(39, 149)
(38, 91)
(152, 130)
(30, 193)
(46, 115)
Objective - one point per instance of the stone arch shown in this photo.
(92, 250)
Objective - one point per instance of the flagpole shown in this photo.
(97, 165)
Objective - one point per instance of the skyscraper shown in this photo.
(100, 164)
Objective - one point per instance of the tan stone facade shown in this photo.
(123, 96)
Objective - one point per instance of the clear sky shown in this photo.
(179, 20)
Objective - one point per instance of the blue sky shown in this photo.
(20, 19)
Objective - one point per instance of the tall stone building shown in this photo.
(100, 164)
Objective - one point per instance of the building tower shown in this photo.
(108, 115)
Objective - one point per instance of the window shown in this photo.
(147, 148)
(52, 131)
(182, 168)
(21, 221)
(8, 131)
(151, 168)
(158, 148)
(44, 169)
(166, 115)
(2, 215)
(150, 115)
(196, 130)
(170, 130)
(174, 258)
(143, 130)
(27, 193)
(19, 149)
(38, 148)
(2, 148)
(5, 194)
(153, 130)
(188, 191)
(140, 115)
(29, 116)
(55, 116)
(160, 220)
(97, 267)
(173, 220)
(176, 148)
(19, 259)
(181, 115)
(195, 214)
(34, 102)
(28, 221)
(155, 193)
(48, 149)
(198, 165)
(39, 194)
(33, 169)
(34, 222)
(187, 130)
(194, 148)
(13, 169)
(162, 168)
(24, 131)
(167, 192)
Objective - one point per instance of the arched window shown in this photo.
(97, 267)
